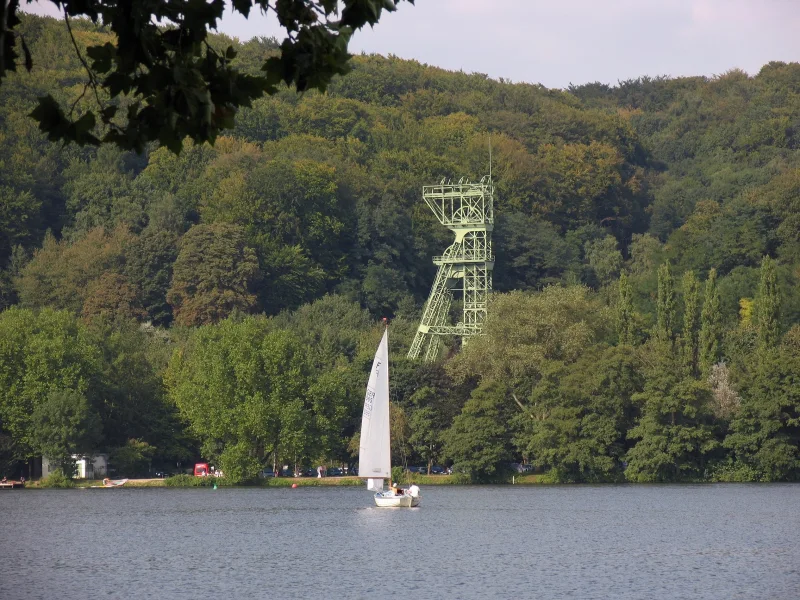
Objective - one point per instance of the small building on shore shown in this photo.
(86, 467)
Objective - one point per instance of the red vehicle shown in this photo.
(201, 470)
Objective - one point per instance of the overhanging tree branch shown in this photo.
(175, 85)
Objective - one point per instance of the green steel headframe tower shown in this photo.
(467, 209)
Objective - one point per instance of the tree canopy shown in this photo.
(224, 303)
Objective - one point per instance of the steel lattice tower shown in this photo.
(467, 209)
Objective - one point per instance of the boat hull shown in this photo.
(391, 501)
(111, 483)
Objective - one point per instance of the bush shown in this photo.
(456, 479)
(192, 481)
(398, 475)
(733, 472)
(287, 482)
(422, 479)
(551, 476)
(56, 479)
(238, 464)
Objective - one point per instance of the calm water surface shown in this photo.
(620, 542)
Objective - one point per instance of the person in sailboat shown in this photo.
(374, 455)
(413, 491)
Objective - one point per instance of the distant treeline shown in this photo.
(224, 303)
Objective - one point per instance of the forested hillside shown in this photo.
(225, 302)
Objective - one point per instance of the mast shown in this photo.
(386, 330)
(490, 158)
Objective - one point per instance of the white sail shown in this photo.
(374, 459)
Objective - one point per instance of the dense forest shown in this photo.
(225, 302)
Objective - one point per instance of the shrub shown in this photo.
(551, 476)
(191, 481)
(733, 472)
(456, 479)
(56, 479)
(398, 475)
(239, 464)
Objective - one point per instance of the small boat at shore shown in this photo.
(113, 483)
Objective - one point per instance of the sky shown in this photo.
(562, 42)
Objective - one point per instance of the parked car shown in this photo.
(334, 472)
(437, 470)
(267, 473)
(520, 468)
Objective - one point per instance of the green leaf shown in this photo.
(242, 6)
(108, 113)
(102, 57)
(81, 130)
(50, 117)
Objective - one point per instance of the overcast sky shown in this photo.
(558, 42)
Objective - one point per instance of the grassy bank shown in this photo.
(529, 478)
(276, 482)
(421, 480)
(284, 482)
(89, 483)
(355, 481)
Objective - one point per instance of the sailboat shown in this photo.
(375, 457)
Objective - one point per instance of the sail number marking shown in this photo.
(371, 393)
(368, 403)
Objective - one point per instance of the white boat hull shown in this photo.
(111, 483)
(392, 501)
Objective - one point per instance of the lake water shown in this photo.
(620, 542)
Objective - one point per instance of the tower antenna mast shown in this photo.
(490, 157)
(465, 268)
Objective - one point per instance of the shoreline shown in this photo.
(537, 479)
(278, 482)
